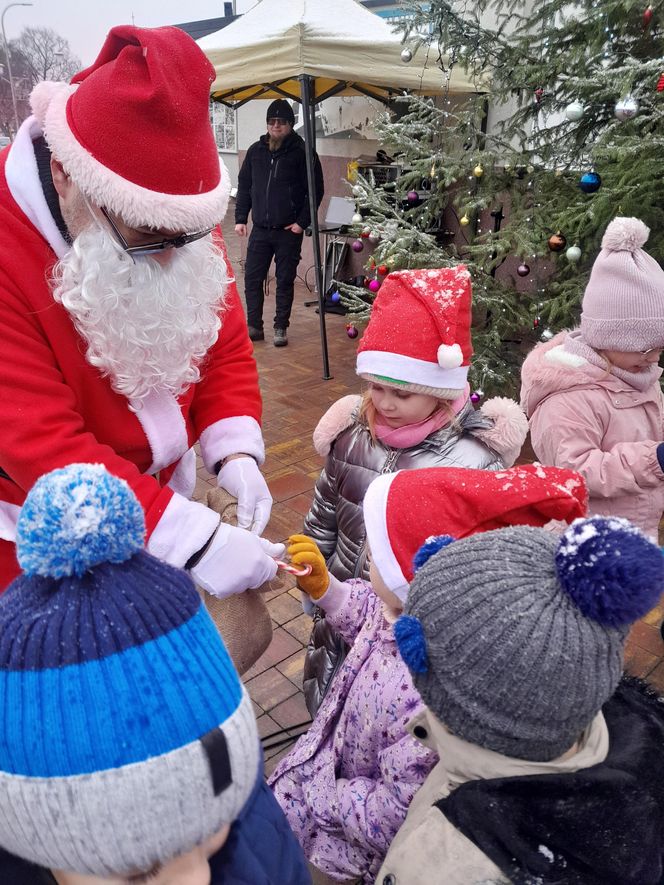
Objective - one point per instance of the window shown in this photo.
(224, 126)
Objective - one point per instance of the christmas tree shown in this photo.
(520, 180)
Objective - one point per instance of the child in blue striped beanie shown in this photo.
(128, 747)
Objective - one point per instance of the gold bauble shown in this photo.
(464, 220)
(478, 171)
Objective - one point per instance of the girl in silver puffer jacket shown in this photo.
(420, 419)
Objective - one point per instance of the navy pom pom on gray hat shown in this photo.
(122, 711)
(515, 637)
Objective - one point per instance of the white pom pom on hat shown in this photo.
(625, 235)
(450, 356)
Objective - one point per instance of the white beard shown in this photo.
(147, 325)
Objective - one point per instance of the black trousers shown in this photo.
(264, 244)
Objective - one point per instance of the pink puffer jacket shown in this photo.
(585, 419)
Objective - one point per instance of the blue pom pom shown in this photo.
(412, 644)
(431, 545)
(75, 518)
(612, 572)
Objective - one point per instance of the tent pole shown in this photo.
(310, 144)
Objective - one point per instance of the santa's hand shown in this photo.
(241, 477)
(235, 560)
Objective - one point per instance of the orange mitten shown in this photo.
(304, 551)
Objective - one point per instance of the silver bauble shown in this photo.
(356, 219)
(574, 111)
(573, 254)
(406, 55)
(626, 108)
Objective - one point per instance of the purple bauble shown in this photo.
(351, 331)
(358, 245)
(374, 285)
(412, 196)
(523, 270)
(335, 297)
(475, 397)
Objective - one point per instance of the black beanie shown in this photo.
(281, 108)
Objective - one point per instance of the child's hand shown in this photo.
(304, 551)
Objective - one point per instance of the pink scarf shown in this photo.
(412, 434)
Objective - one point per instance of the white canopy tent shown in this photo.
(310, 50)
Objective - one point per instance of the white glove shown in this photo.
(242, 478)
(235, 561)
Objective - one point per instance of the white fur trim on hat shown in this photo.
(136, 205)
(411, 370)
(375, 520)
(450, 356)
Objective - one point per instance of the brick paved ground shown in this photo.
(295, 396)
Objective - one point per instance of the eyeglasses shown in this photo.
(152, 248)
(277, 121)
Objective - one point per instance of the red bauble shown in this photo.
(647, 16)
(351, 331)
(539, 95)
(536, 323)
(383, 269)
(660, 83)
(364, 234)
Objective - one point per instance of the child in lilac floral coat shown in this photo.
(347, 784)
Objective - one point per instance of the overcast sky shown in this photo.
(85, 23)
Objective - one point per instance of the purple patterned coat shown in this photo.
(346, 785)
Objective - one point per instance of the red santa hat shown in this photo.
(418, 337)
(404, 510)
(133, 130)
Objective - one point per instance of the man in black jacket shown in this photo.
(273, 185)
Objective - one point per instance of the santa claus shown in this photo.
(124, 341)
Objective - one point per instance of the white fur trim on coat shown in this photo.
(561, 357)
(230, 436)
(184, 528)
(8, 519)
(338, 417)
(509, 428)
(163, 423)
(25, 187)
(136, 205)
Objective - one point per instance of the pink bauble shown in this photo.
(351, 331)
(412, 196)
(523, 270)
(374, 285)
(358, 245)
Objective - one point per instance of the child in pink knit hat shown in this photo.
(593, 395)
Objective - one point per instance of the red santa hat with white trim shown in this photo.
(405, 510)
(418, 337)
(133, 130)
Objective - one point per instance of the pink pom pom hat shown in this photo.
(623, 305)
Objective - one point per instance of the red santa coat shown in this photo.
(55, 408)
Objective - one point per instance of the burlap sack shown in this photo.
(243, 619)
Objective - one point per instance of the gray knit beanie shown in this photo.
(515, 637)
